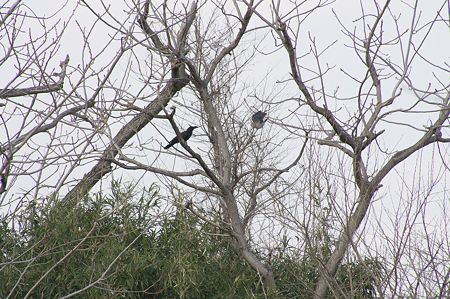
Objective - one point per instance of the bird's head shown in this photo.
(192, 128)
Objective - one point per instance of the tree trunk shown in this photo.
(103, 166)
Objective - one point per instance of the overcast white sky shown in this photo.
(325, 29)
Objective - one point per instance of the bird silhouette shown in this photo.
(185, 135)
(258, 119)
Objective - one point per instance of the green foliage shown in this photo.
(115, 239)
(82, 240)
(358, 279)
(124, 248)
(297, 276)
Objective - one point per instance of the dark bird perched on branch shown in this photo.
(258, 119)
(185, 135)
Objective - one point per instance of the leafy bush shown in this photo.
(112, 247)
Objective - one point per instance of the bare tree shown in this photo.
(32, 58)
(358, 135)
(229, 138)
(68, 128)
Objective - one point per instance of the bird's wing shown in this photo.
(259, 116)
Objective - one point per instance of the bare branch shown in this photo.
(19, 92)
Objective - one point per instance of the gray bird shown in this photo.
(185, 135)
(258, 119)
